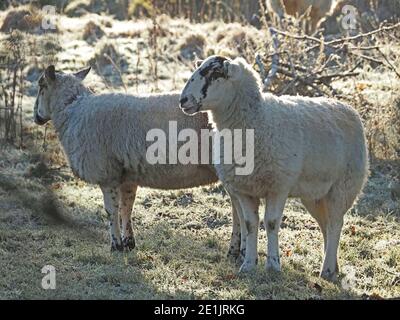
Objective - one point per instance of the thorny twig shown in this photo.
(275, 60)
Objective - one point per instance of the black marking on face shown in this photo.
(42, 82)
(212, 72)
(42, 85)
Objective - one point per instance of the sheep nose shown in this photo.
(183, 100)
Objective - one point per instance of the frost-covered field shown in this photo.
(182, 236)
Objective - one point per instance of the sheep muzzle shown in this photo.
(39, 120)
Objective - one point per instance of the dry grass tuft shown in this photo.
(193, 46)
(26, 19)
(242, 41)
(104, 51)
(92, 32)
(77, 8)
(23, 19)
(109, 62)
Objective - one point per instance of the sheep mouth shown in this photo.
(39, 120)
(191, 110)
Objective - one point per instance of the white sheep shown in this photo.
(104, 139)
(310, 148)
(319, 9)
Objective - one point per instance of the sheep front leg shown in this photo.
(249, 206)
(234, 247)
(111, 202)
(272, 221)
(128, 193)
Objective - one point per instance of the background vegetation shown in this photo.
(49, 217)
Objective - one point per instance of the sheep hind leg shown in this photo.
(339, 199)
(111, 205)
(319, 211)
(249, 206)
(128, 194)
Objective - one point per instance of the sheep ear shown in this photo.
(198, 63)
(82, 73)
(231, 69)
(50, 73)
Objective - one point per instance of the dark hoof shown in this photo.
(240, 257)
(115, 246)
(233, 253)
(329, 276)
(129, 243)
(233, 256)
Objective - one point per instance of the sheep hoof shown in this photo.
(115, 246)
(329, 275)
(233, 254)
(247, 267)
(129, 243)
(239, 259)
(273, 264)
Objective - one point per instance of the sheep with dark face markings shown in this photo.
(104, 139)
(311, 148)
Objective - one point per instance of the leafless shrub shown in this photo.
(12, 88)
(382, 124)
(308, 65)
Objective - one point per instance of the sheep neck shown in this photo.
(61, 114)
(239, 113)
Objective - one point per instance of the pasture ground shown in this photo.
(47, 217)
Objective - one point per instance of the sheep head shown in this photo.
(211, 85)
(56, 89)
